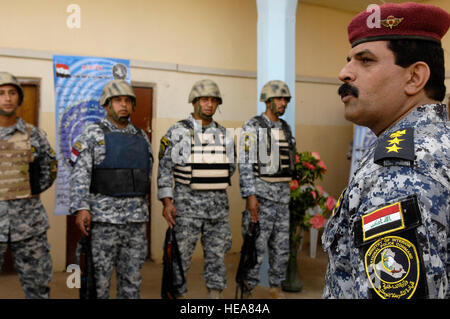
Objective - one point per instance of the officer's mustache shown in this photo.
(346, 89)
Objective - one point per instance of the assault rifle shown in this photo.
(88, 286)
(248, 258)
(169, 289)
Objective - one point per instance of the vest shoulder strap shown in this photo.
(186, 124)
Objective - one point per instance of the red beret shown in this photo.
(407, 20)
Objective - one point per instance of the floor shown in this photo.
(311, 273)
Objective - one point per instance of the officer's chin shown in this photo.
(9, 113)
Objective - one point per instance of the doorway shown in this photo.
(142, 117)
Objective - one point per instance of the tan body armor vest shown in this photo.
(208, 165)
(15, 158)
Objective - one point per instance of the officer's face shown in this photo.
(9, 100)
(374, 89)
(120, 108)
(208, 105)
(278, 105)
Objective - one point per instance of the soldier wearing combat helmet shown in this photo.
(198, 204)
(27, 168)
(109, 184)
(388, 235)
(265, 186)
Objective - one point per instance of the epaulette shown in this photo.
(396, 146)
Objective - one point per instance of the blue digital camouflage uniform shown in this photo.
(204, 212)
(24, 222)
(384, 269)
(273, 214)
(118, 223)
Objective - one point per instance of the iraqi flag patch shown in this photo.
(383, 221)
(76, 149)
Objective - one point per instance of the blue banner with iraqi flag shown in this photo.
(78, 85)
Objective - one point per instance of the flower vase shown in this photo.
(292, 282)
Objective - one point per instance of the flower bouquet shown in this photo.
(310, 205)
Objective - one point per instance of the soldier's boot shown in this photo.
(276, 293)
(214, 294)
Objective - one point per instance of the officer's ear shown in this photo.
(417, 75)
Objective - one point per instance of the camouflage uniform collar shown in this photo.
(269, 121)
(422, 115)
(21, 125)
(114, 128)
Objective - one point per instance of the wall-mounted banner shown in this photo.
(363, 138)
(78, 82)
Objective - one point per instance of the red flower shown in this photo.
(293, 185)
(297, 158)
(330, 203)
(317, 221)
(308, 165)
(315, 155)
(320, 189)
(322, 165)
(313, 193)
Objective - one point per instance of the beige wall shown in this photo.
(171, 44)
(174, 31)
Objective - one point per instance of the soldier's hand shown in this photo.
(83, 221)
(169, 211)
(253, 207)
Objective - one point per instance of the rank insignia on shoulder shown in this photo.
(398, 145)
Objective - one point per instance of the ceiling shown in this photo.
(350, 5)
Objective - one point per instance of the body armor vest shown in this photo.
(208, 167)
(286, 159)
(125, 170)
(15, 158)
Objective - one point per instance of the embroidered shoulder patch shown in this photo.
(393, 267)
(398, 145)
(383, 221)
(76, 149)
(163, 146)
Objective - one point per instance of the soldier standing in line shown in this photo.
(27, 168)
(109, 182)
(196, 153)
(265, 183)
(388, 236)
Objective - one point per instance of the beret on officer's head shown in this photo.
(407, 20)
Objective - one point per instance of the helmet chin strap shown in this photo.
(273, 108)
(12, 113)
(199, 112)
(119, 119)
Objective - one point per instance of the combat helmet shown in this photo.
(116, 88)
(205, 88)
(9, 79)
(275, 88)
